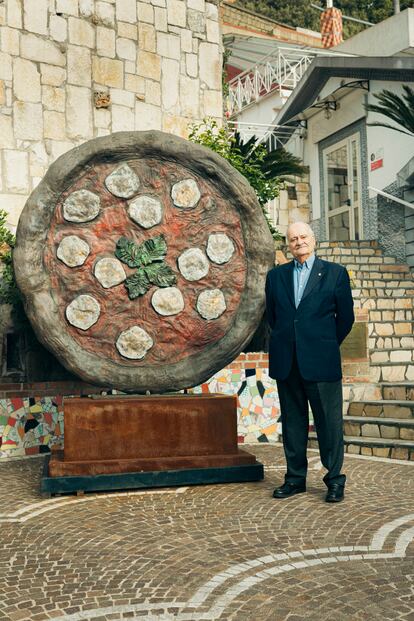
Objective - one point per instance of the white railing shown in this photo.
(280, 70)
(274, 136)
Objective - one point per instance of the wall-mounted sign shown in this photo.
(355, 346)
(377, 159)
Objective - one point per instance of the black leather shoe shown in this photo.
(288, 489)
(335, 493)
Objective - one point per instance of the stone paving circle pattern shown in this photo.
(211, 553)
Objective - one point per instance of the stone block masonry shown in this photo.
(72, 70)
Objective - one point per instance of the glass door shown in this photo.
(342, 174)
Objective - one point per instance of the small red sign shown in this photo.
(377, 164)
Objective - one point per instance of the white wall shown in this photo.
(397, 147)
(350, 110)
(388, 38)
(264, 111)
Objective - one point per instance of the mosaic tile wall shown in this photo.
(258, 402)
(29, 426)
(32, 425)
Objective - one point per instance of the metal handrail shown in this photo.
(392, 198)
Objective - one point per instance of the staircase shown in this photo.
(379, 398)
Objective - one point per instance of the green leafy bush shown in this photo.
(9, 293)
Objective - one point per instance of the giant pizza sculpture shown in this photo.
(141, 259)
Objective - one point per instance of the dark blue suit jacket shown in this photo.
(316, 328)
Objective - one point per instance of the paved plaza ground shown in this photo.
(227, 552)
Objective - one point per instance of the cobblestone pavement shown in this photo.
(225, 552)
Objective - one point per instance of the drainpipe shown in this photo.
(396, 6)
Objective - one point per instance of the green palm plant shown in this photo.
(265, 170)
(278, 164)
(395, 108)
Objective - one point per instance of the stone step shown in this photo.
(402, 409)
(372, 258)
(361, 301)
(377, 447)
(382, 282)
(390, 328)
(379, 343)
(358, 260)
(390, 315)
(386, 302)
(384, 356)
(393, 307)
(350, 243)
(383, 292)
(354, 251)
(377, 427)
(362, 275)
(369, 268)
(401, 391)
(392, 372)
(366, 391)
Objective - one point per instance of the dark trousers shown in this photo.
(325, 399)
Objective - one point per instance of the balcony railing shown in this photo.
(280, 71)
(274, 136)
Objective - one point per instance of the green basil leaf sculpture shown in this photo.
(148, 257)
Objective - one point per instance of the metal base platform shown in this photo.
(145, 480)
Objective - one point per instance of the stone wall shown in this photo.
(237, 17)
(71, 70)
(292, 205)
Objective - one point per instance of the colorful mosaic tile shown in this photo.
(31, 425)
(258, 402)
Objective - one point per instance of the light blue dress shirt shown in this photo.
(301, 272)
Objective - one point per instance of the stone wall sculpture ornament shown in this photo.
(220, 248)
(168, 301)
(122, 182)
(211, 304)
(81, 206)
(83, 312)
(193, 264)
(73, 251)
(109, 272)
(146, 211)
(141, 258)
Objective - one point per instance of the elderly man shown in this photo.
(310, 312)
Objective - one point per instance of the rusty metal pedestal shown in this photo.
(129, 442)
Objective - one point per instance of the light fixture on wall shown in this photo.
(329, 107)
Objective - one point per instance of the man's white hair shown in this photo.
(306, 225)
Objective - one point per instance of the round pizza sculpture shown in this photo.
(141, 259)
